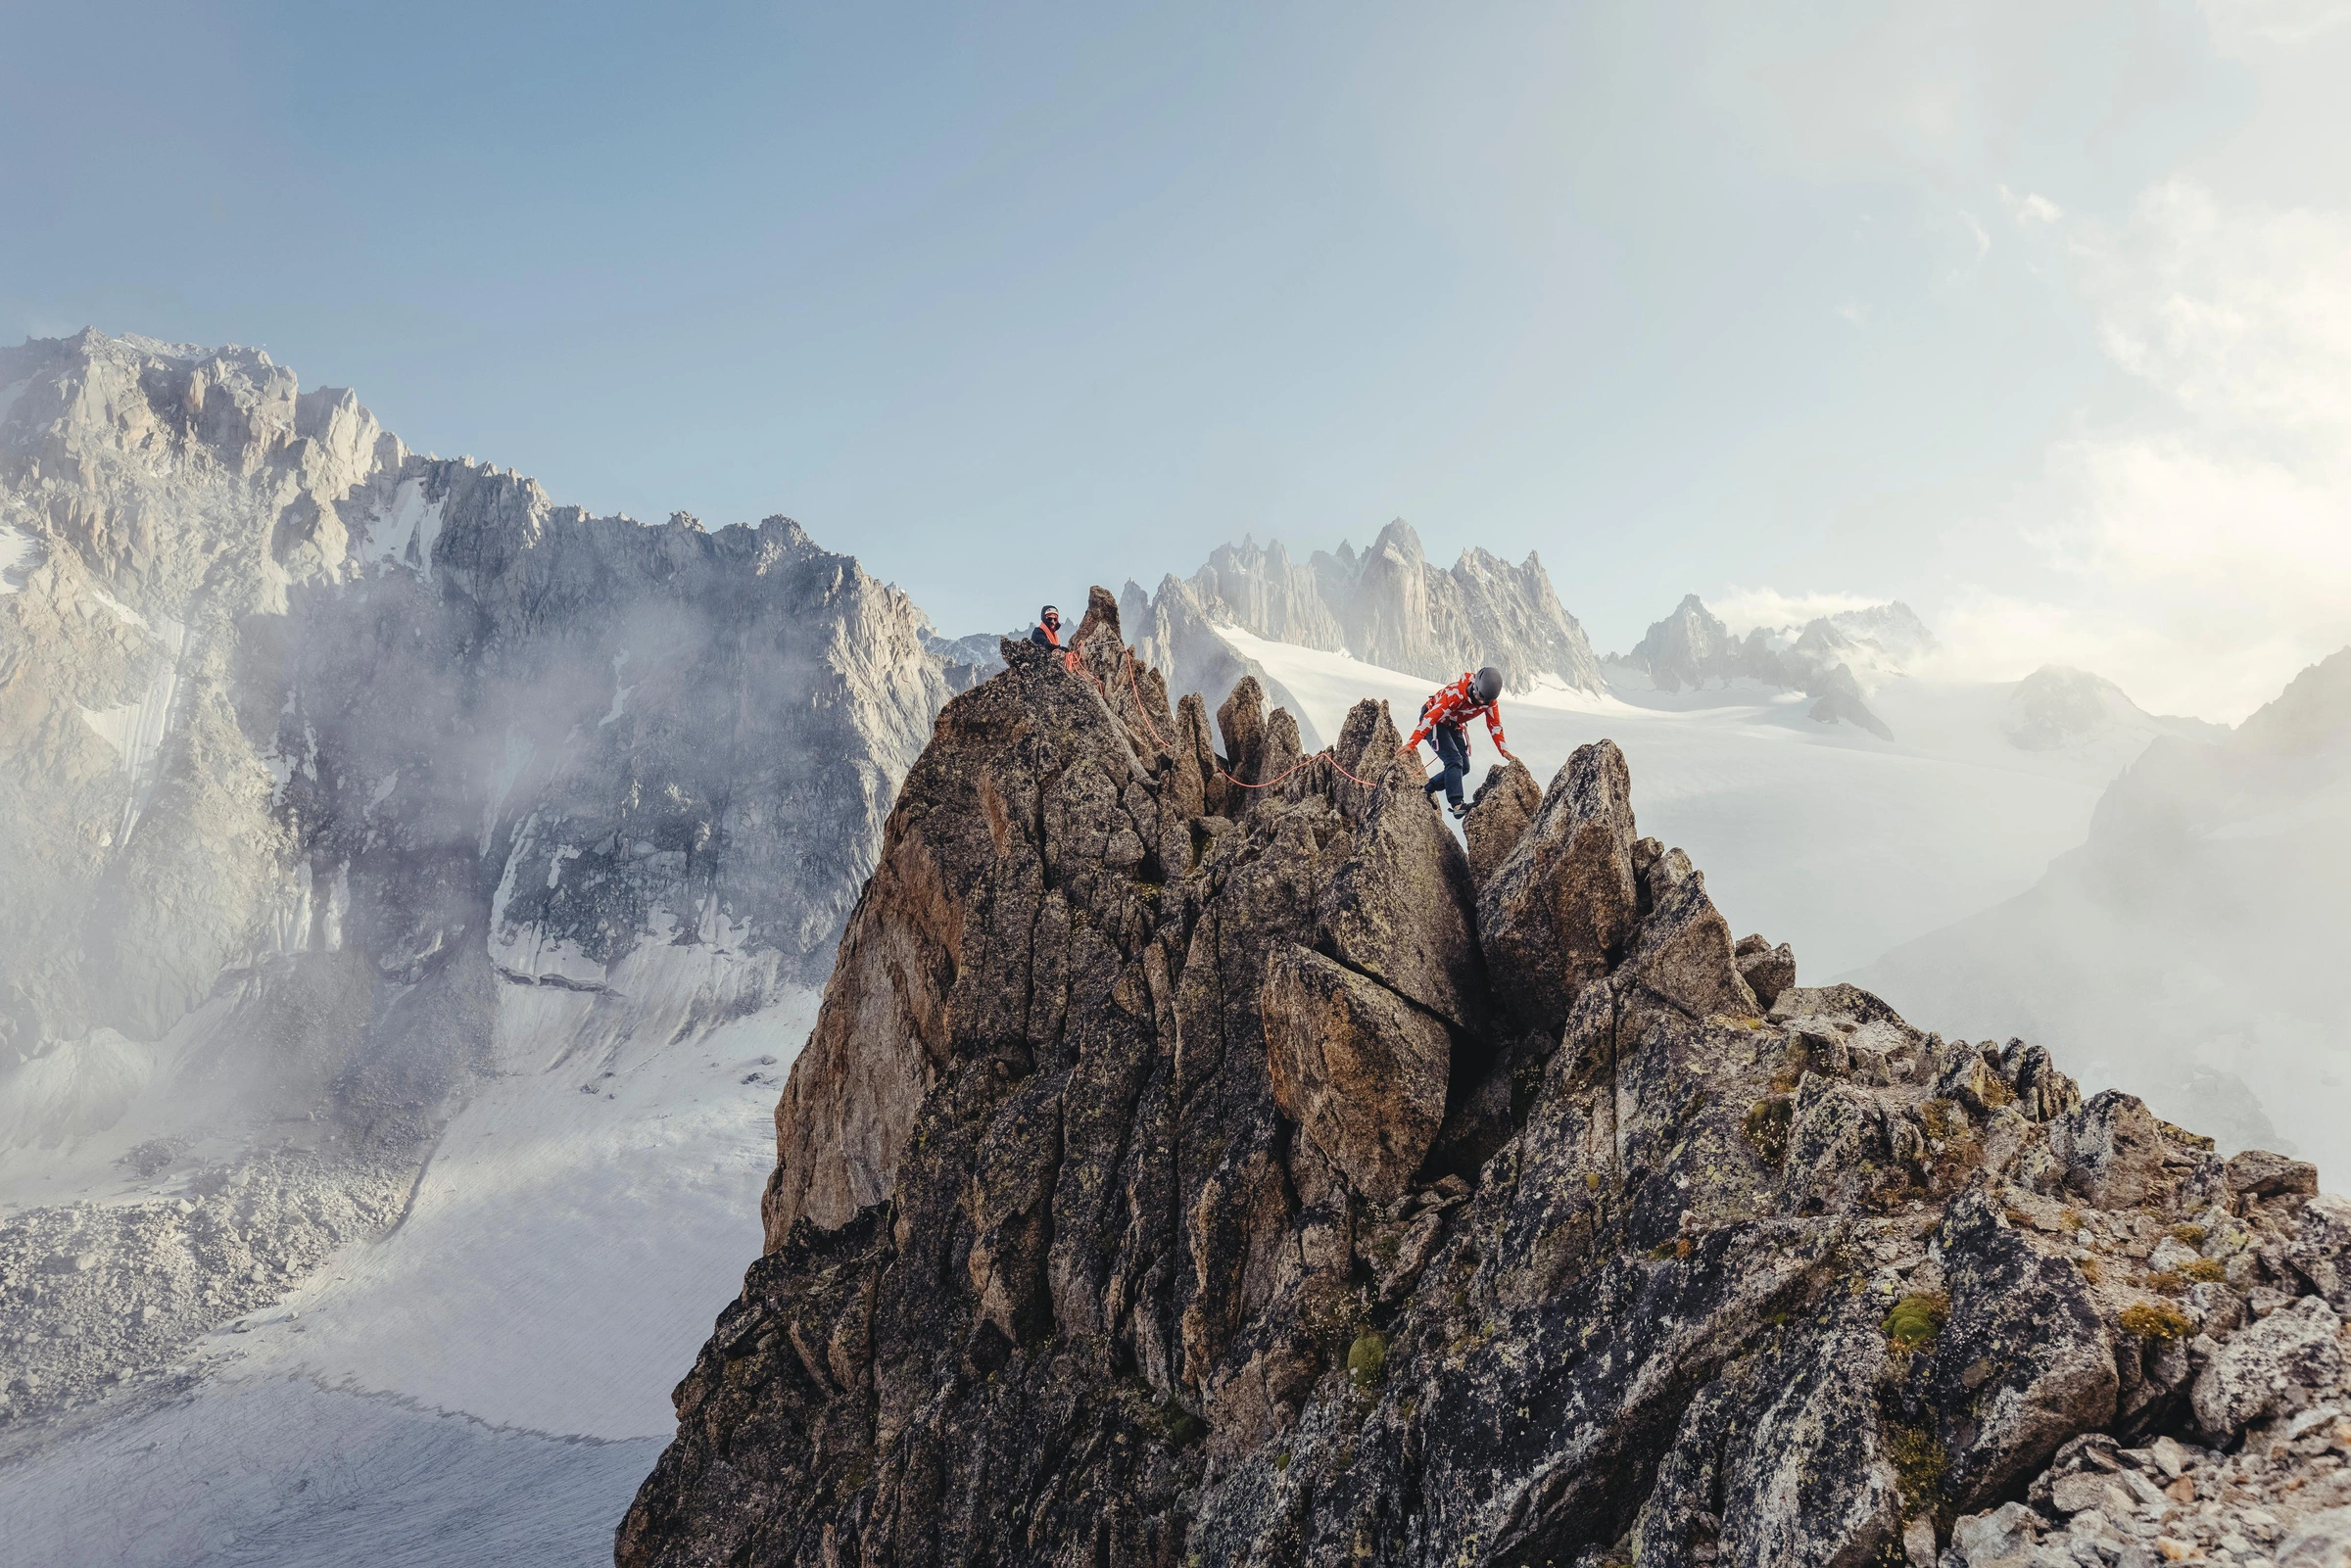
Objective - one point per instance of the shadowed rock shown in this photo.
(1241, 721)
(1499, 815)
(1358, 1068)
(1555, 912)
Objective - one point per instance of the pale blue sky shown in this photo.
(2018, 312)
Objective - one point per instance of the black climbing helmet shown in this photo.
(1050, 616)
(1487, 684)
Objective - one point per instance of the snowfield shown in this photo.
(488, 1382)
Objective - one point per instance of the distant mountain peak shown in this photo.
(1829, 657)
(1387, 605)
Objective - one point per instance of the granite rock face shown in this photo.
(317, 752)
(1269, 1184)
(1497, 817)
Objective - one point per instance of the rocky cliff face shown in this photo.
(1179, 1174)
(317, 750)
(1389, 606)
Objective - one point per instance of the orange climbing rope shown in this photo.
(1160, 741)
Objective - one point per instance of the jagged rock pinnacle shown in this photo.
(1182, 1173)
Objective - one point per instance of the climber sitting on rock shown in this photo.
(1047, 635)
(1443, 718)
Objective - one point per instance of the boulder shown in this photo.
(2023, 1364)
(2322, 1252)
(1682, 953)
(2254, 1369)
(2087, 1488)
(1198, 786)
(1360, 1070)
(1279, 760)
(2005, 1538)
(1241, 721)
(2257, 1174)
(2111, 1150)
(1767, 970)
(1369, 750)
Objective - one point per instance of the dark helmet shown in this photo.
(1050, 616)
(1487, 684)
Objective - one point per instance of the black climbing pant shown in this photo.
(1453, 753)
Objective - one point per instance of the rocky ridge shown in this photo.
(320, 753)
(1184, 1176)
(1174, 633)
(1388, 606)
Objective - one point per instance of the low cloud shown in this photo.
(2030, 207)
(1743, 610)
(2212, 545)
(2237, 25)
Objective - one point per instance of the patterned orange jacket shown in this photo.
(1456, 705)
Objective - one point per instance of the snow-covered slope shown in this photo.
(487, 1382)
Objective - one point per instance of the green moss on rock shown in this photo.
(1917, 1318)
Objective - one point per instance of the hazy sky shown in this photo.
(2038, 315)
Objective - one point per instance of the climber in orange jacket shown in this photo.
(1046, 634)
(1444, 717)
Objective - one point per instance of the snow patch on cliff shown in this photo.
(137, 729)
(581, 1218)
(405, 529)
(284, 1472)
(17, 550)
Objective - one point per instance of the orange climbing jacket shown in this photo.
(1455, 705)
(1047, 633)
